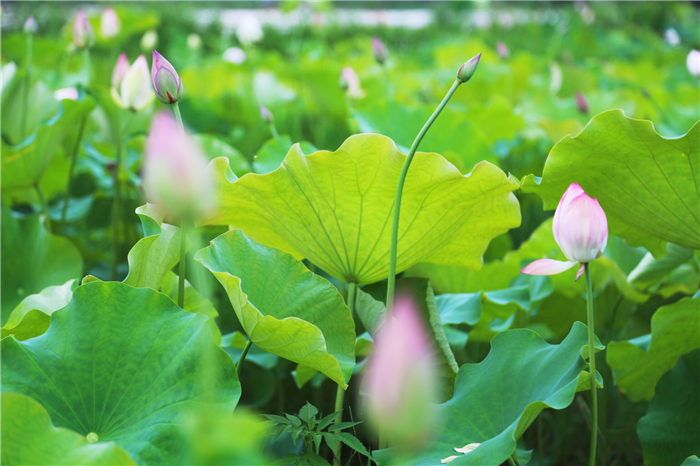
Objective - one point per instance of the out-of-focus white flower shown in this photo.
(556, 77)
(67, 93)
(249, 30)
(149, 41)
(109, 23)
(693, 63)
(672, 37)
(194, 42)
(234, 55)
(350, 82)
(135, 91)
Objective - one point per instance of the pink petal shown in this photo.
(580, 271)
(582, 229)
(547, 267)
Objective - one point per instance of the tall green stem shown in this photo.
(44, 206)
(591, 358)
(399, 193)
(116, 204)
(176, 110)
(27, 84)
(71, 171)
(242, 358)
(340, 393)
(183, 264)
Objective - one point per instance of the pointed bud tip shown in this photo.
(467, 70)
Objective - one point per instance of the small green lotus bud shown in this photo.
(467, 70)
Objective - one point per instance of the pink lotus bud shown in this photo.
(581, 103)
(266, 114)
(580, 229)
(166, 82)
(30, 26)
(67, 93)
(467, 70)
(120, 70)
(350, 83)
(109, 24)
(174, 169)
(502, 50)
(83, 35)
(379, 50)
(135, 88)
(400, 380)
(693, 63)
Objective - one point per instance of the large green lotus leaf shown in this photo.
(283, 307)
(124, 364)
(214, 147)
(335, 208)
(651, 270)
(496, 400)
(371, 309)
(670, 431)
(646, 184)
(33, 259)
(272, 153)
(40, 106)
(24, 164)
(29, 438)
(675, 330)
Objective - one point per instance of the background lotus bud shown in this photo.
(400, 380)
(350, 83)
(672, 37)
(581, 103)
(120, 70)
(693, 63)
(30, 26)
(67, 93)
(174, 169)
(166, 82)
(556, 77)
(580, 229)
(234, 55)
(502, 50)
(83, 35)
(249, 30)
(266, 115)
(379, 50)
(194, 42)
(109, 23)
(135, 91)
(467, 70)
(149, 40)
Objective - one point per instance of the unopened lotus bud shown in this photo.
(166, 82)
(134, 92)
(693, 63)
(502, 50)
(120, 70)
(67, 93)
(379, 50)
(149, 40)
(350, 83)
(266, 115)
(581, 103)
(109, 24)
(83, 34)
(467, 70)
(194, 42)
(30, 26)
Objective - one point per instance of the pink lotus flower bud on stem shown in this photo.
(30, 26)
(379, 50)
(467, 70)
(350, 83)
(502, 50)
(580, 229)
(266, 115)
(120, 69)
(166, 82)
(67, 93)
(109, 23)
(83, 34)
(174, 170)
(581, 103)
(134, 90)
(400, 380)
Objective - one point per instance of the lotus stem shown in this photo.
(391, 283)
(511, 461)
(340, 393)
(242, 358)
(116, 204)
(71, 171)
(176, 110)
(27, 84)
(44, 206)
(183, 265)
(591, 358)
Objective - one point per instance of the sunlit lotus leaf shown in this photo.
(124, 364)
(29, 438)
(647, 185)
(335, 208)
(283, 307)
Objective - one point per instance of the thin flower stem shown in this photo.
(176, 110)
(273, 130)
(340, 393)
(27, 84)
(116, 204)
(591, 358)
(44, 206)
(71, 171)
(183, 265)
(512, 462)
(399, 193)
(242, 358)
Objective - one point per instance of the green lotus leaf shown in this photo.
(691, 461)
(370, 308)
(29, 438)
(24, 164)
(650, 270)
(214, 147)
(32, 323)
(273, 151)
(123, 364)
(494, 403)
(675, 330)
(670, 431)
(283, 307)
(335, 208)
(33, 259)
(47, 300)
(647, 185)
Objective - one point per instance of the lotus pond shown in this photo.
(350, 233)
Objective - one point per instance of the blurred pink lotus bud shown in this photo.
(174, 169)
(166, 82)
(580, 229)
(109, 23)
(379, 50)
(350, 83)
(266, 114)
(581, 103)
(134, 91)
(120, 69)
(83, 35)
(400, 380)
(67, 93)
(30, 26)
(693, 63)
(502, 50)
(467, 70)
